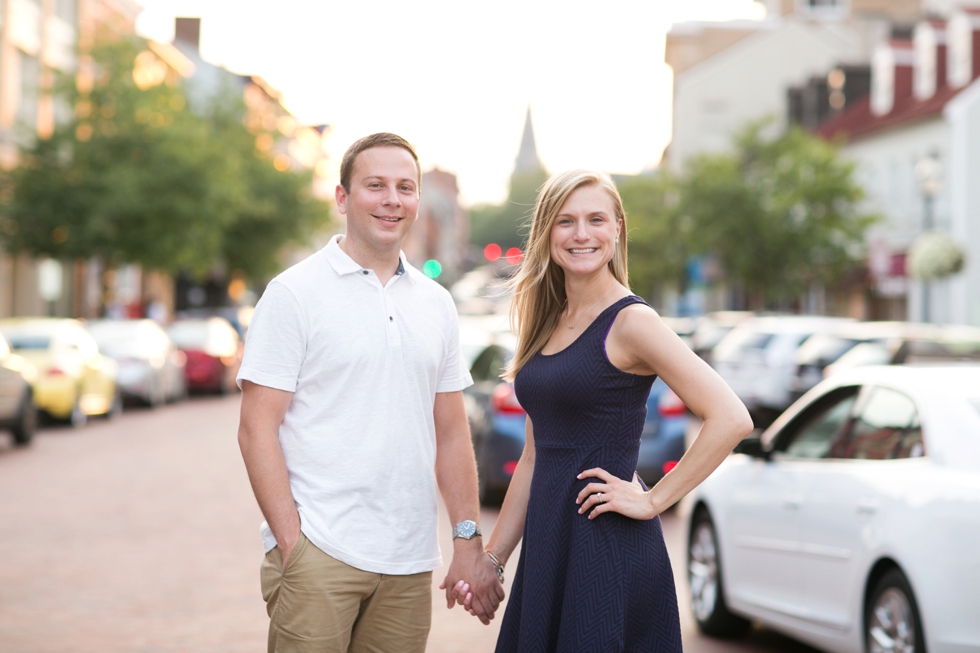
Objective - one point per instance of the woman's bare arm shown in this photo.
(509, 528)
(640, 343)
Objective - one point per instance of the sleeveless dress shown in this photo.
(587, 586)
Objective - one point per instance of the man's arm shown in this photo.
(262, 412)
(456, 475)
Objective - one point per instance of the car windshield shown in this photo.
(123, 339)
(739, 341)
(189, 334)
(27, 341)
(822, 349)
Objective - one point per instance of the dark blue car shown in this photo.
(497, 424)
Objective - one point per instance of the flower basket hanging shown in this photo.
(934, 255)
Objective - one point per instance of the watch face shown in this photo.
(466, 529)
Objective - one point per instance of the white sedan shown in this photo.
(853, 524)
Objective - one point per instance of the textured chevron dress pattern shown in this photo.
(582, 586)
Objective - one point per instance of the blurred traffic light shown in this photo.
(432, 268)
(492, 252)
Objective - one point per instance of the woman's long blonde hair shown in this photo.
(539, 285)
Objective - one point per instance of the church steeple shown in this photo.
(527, 157)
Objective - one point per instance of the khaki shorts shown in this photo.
(318, 603)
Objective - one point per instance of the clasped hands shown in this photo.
(472, 583)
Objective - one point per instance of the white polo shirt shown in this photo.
(364, 363)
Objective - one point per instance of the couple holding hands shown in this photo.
(352, 420)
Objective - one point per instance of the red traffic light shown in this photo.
(492, 252)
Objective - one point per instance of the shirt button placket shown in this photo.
(390, 318)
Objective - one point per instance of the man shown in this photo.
(352, 383)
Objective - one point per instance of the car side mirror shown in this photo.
(751, 445)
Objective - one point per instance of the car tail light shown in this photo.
(509, 467)
(669, 465)
(504, 400)
(670, 405)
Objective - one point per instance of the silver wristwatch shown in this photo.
(466, 529)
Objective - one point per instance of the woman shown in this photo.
(593, 573)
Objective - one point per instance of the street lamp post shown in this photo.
(928, 172)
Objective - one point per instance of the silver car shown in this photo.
(17, 410)
(151, 368)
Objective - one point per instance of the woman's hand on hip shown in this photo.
(611, 493)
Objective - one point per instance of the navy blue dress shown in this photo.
(587, 586)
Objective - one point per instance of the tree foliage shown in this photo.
(136, 177)
(776, 214)
(504, 224)
(659, 245)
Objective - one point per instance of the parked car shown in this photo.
(213, 351)
(496, 420)
(151, 368)
(757, 359)
(237, 316)
(711, 328)
(852, 523)
(74, 380)
(682, 326)
(929, 344)
(17, 410)
(497, 423)
(821, 349)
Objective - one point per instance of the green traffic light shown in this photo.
(432, 268)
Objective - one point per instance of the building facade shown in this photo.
(38, 37)
(915, 139)
(729, 73)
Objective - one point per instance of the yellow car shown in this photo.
(74, 381)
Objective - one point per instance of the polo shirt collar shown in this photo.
(343, 264)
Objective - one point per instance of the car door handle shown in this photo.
(793, 502)
(867, 506)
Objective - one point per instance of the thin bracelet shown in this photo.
(499, 567)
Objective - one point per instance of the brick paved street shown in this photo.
(141, 535)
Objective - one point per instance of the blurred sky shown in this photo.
(455, 78)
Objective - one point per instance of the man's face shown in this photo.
(383, 201)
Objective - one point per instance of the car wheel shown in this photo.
(116, 407)
(488, 496)
(705, 578)
(157, 396)
(891, 619)
(26, 424)
(223, 388)
(77, 418)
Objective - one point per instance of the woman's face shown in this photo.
(585, 232)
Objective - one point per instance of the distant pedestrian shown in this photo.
(593, 574)
(352, 414)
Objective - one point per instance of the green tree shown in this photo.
(136, 177)
(658, 238)
(778, 213)
(504, 224)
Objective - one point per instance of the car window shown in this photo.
(822, 349)
(813, 432)
(758, 341)
(887, 426)
(489, 365)
(27, 341)
(189, 334)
